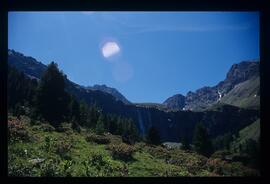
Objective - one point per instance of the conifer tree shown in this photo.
(153, 136)
(100, 125)
(201, 140)
(51, 99)
(185, 143)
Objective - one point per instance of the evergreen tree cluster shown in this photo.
(21, 90)
(49, 101)
(201, 140)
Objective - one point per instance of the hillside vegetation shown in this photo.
(250, 132)
(53, 133)
(38, 149)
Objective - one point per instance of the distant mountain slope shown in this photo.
(204, 97)
(114, 92)
(34, 69)
(245, 94)
(26, 64)
(176, 102)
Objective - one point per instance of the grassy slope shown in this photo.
(244, 94)
(147, 160)
(250, 132)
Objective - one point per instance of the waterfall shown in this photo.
(141, 124)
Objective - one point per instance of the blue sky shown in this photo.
(147, 56)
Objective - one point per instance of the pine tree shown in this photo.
(153, 136)
(112, 124)
(51, 99)
(20, 88)
(185, 143)
(201, 140)
(74, 110)
(100, 125)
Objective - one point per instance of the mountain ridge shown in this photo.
(206, 96)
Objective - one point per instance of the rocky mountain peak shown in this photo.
(242, 71)
(175, 102)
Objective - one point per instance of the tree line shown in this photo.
(47, 100)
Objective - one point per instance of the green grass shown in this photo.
(244, 95)
(83, 158)
(250, 132)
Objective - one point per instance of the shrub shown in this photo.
(122, 151)
(224, 168)
(221, 154)
(97, 165)
(128, 139)
(20, 168)
(97, 139)
(64, 127)
(158, 151)
(17, 131)
(44, 127)
(65, 168)
(62, 148)
(49, 143)
(49, 168)
(194, 163)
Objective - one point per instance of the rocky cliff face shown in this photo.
(176, 102)
(204, 97)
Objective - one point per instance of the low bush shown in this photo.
(100, 139)
(17, 131)
(221, 154)
(224, 168)
(158, 151)
(62, 148)
(43, 127)
(122, 151)
(128, 139)
(50, 168)
(97, 165)
(193, 162)
(20, 168)
(64, 127)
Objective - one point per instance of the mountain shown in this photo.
(172, 125)
(245, 94)
(114, 92)
(242, 81)
(176, 102)
(26, 64)
(34, 69)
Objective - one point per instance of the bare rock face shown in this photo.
(204, 97)
(176, 102)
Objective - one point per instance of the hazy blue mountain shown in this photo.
(26, 64)
(34, 69)
(114, 92)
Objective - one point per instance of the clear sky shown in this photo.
(147, 56)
